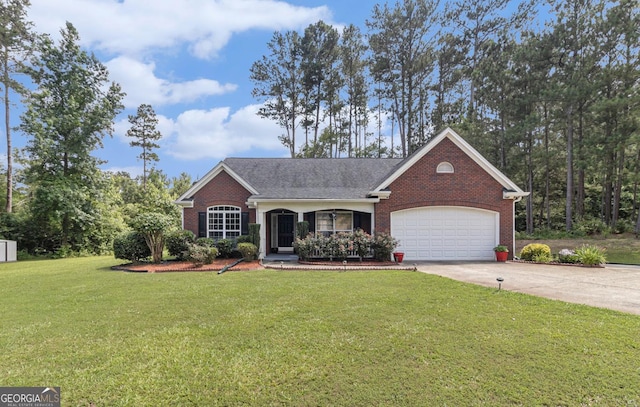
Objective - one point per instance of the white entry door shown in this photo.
(446, 233)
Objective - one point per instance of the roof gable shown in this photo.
(466, 148)
(185, 199)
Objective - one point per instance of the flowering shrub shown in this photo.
(567, 256)
(312, 245)
(341, 245)
(383, 245)
(344, 244)
(362, 242)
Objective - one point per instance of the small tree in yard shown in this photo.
(153, 226)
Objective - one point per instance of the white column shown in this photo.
(260, 219)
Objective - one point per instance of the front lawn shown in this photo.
(304, 338)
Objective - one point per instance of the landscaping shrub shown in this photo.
(344, 244)
(567, 256)
(248, 251)
(591, 255)
(383, 245)
(302, 229)
(542, 257)
(340, 245)
(206, 242)
(177, 243)
(131, 246)
(254, 234)
(313, 244)
(225, 247)
(362, 242)
(535, 250)
(244, 239)
(200, 255)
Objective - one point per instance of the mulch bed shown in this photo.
(557, 263)
(167, 266)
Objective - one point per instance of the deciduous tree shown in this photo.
(67, 116)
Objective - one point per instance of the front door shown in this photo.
(285, 230)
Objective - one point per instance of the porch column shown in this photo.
(373, 221)
(261, 220)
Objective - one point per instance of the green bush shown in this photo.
(177, 243)
(248, 251)
(200, 255)
(302, 229)
(383, 245)
(341, 244)
(362, 242)
(591, 255)
(312, 245)
(131, 246)
(243, 239)
(535, 250)
(254, 234)
(206, 242)
(225, 247)
(567, 256)
(542, 257)
(592, 227)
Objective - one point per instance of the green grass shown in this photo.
(304, 338)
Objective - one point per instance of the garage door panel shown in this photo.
(445, 233)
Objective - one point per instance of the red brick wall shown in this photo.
(468, 186)
(221, 190)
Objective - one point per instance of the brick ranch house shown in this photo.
(444, 202)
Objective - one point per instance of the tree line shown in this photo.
(555, 107)
(59, 201)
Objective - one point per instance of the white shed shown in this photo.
(8, 251)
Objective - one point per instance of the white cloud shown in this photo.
(142, 86)
(131, 27)
(217, 134)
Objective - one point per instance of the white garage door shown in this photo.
(446, 233)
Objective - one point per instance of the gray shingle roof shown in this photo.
(319, 178)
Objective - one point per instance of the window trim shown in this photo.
(228, 227)
(445, 167)
(333, 230)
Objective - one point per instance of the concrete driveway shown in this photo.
(615, 286)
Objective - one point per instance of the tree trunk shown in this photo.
(617, 193)
(7, 129)
(569, 196)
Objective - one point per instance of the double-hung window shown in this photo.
(329, 223)
(224, 222)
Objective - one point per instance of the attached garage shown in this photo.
(446, 233)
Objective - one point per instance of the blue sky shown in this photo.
(190, 60)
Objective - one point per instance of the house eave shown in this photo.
(255, 202)
(380, 194)
(516, 196)
(184, 203)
